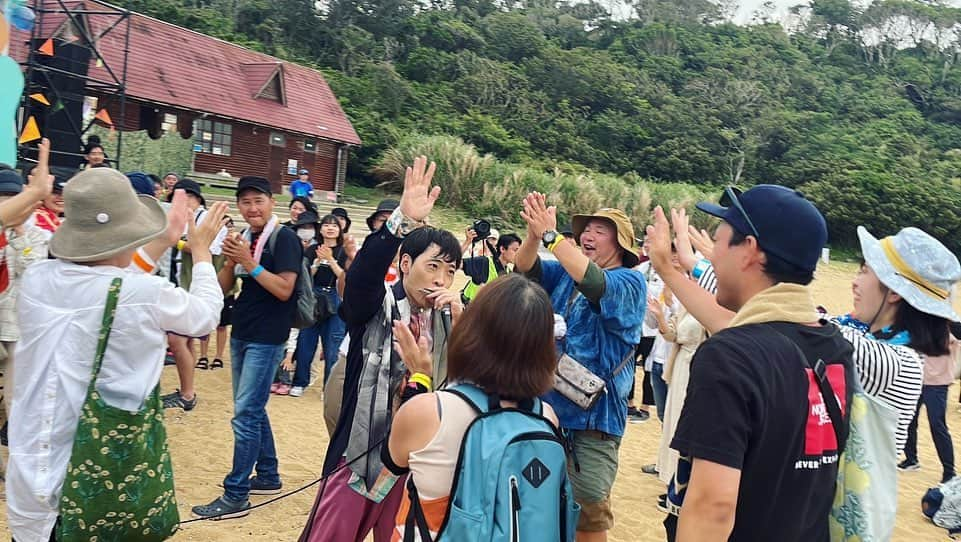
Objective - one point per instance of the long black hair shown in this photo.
(928, 333)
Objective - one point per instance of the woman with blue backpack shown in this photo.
(484, 454)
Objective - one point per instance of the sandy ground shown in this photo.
(202, 443)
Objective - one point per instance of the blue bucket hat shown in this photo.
(916, 266)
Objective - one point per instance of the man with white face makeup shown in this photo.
(602, 301)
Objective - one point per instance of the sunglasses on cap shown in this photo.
(730, 199)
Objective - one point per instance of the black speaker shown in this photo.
(63, 126)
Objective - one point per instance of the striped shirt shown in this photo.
(892, 374)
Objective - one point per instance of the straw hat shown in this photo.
(625, 231)
(104, 217)
(916, 266)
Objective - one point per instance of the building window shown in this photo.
(278, 139)
(310, 145)
(212, 137)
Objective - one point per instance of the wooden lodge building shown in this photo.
(247, 113)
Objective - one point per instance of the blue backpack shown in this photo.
(510, 482)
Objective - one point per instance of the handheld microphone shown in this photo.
(446, 317)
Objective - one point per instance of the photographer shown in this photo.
(602, 300)
(484, 269)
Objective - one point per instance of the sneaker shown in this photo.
(650, 469)
(274, 386)
(175, 400)
(909, 465)
(221, 508)
(283, 389)
(260, 487)
(637, 416)
(662, 502)
(296, 391)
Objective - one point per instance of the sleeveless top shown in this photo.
(432, 467)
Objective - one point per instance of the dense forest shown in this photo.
(856, 104)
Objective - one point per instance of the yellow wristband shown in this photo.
(422, 379)
(181, 244)
(557, 241)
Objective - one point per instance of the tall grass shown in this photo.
(489, 188)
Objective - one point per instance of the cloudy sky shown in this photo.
(747, 7)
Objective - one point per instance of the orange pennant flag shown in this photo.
(47, 47)
(40, 98)
(104, 117)
(30, 131)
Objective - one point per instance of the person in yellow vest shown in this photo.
(484, 269)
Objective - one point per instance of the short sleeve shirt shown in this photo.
(258, 316)
(753, 405)
(599, 337)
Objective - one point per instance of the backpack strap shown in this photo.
(473, 396)
(819, 368)
(416, 520)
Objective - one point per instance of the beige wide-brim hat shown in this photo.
(625, 231)
(104, 217)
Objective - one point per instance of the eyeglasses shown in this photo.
(730, 199)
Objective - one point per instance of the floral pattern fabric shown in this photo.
(119, 484)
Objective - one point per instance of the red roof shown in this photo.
(183, 69)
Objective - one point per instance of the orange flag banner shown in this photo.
(47, 47)
(104, 117)
(40, 98)
(30, 132)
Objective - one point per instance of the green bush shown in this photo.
(486, 187)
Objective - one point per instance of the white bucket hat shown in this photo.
(916, 266)
(104, 217)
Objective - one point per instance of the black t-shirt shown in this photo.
(752, 404)
(324, 277)
(259, 317)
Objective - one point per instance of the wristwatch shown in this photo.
(548, 239)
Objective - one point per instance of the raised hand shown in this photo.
(415, 354)
(350, 247)
(177, 217)
(659, 238)
(685, 252)
(419, 197)
(702, 242)
(202, 236)
(40, 181)
(539, 217)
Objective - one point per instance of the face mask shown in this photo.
(305, 234)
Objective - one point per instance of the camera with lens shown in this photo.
(482, 228)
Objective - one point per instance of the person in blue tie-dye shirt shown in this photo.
(602, 301)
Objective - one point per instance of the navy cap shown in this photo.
(141, 183)
(10, 181)
(788, 225)
(61, 175)
(259, 184)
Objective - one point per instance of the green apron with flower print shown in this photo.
(119, 483)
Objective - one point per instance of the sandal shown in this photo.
(217, 363)
(202, 363)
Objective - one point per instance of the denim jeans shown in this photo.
(935, 400)
(252, 372)
(330, 333)
(659, 387)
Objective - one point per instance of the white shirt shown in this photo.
(654, 288)
(61, 308)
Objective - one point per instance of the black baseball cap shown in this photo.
(259, 184)
(782, 220)
(189, 186)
